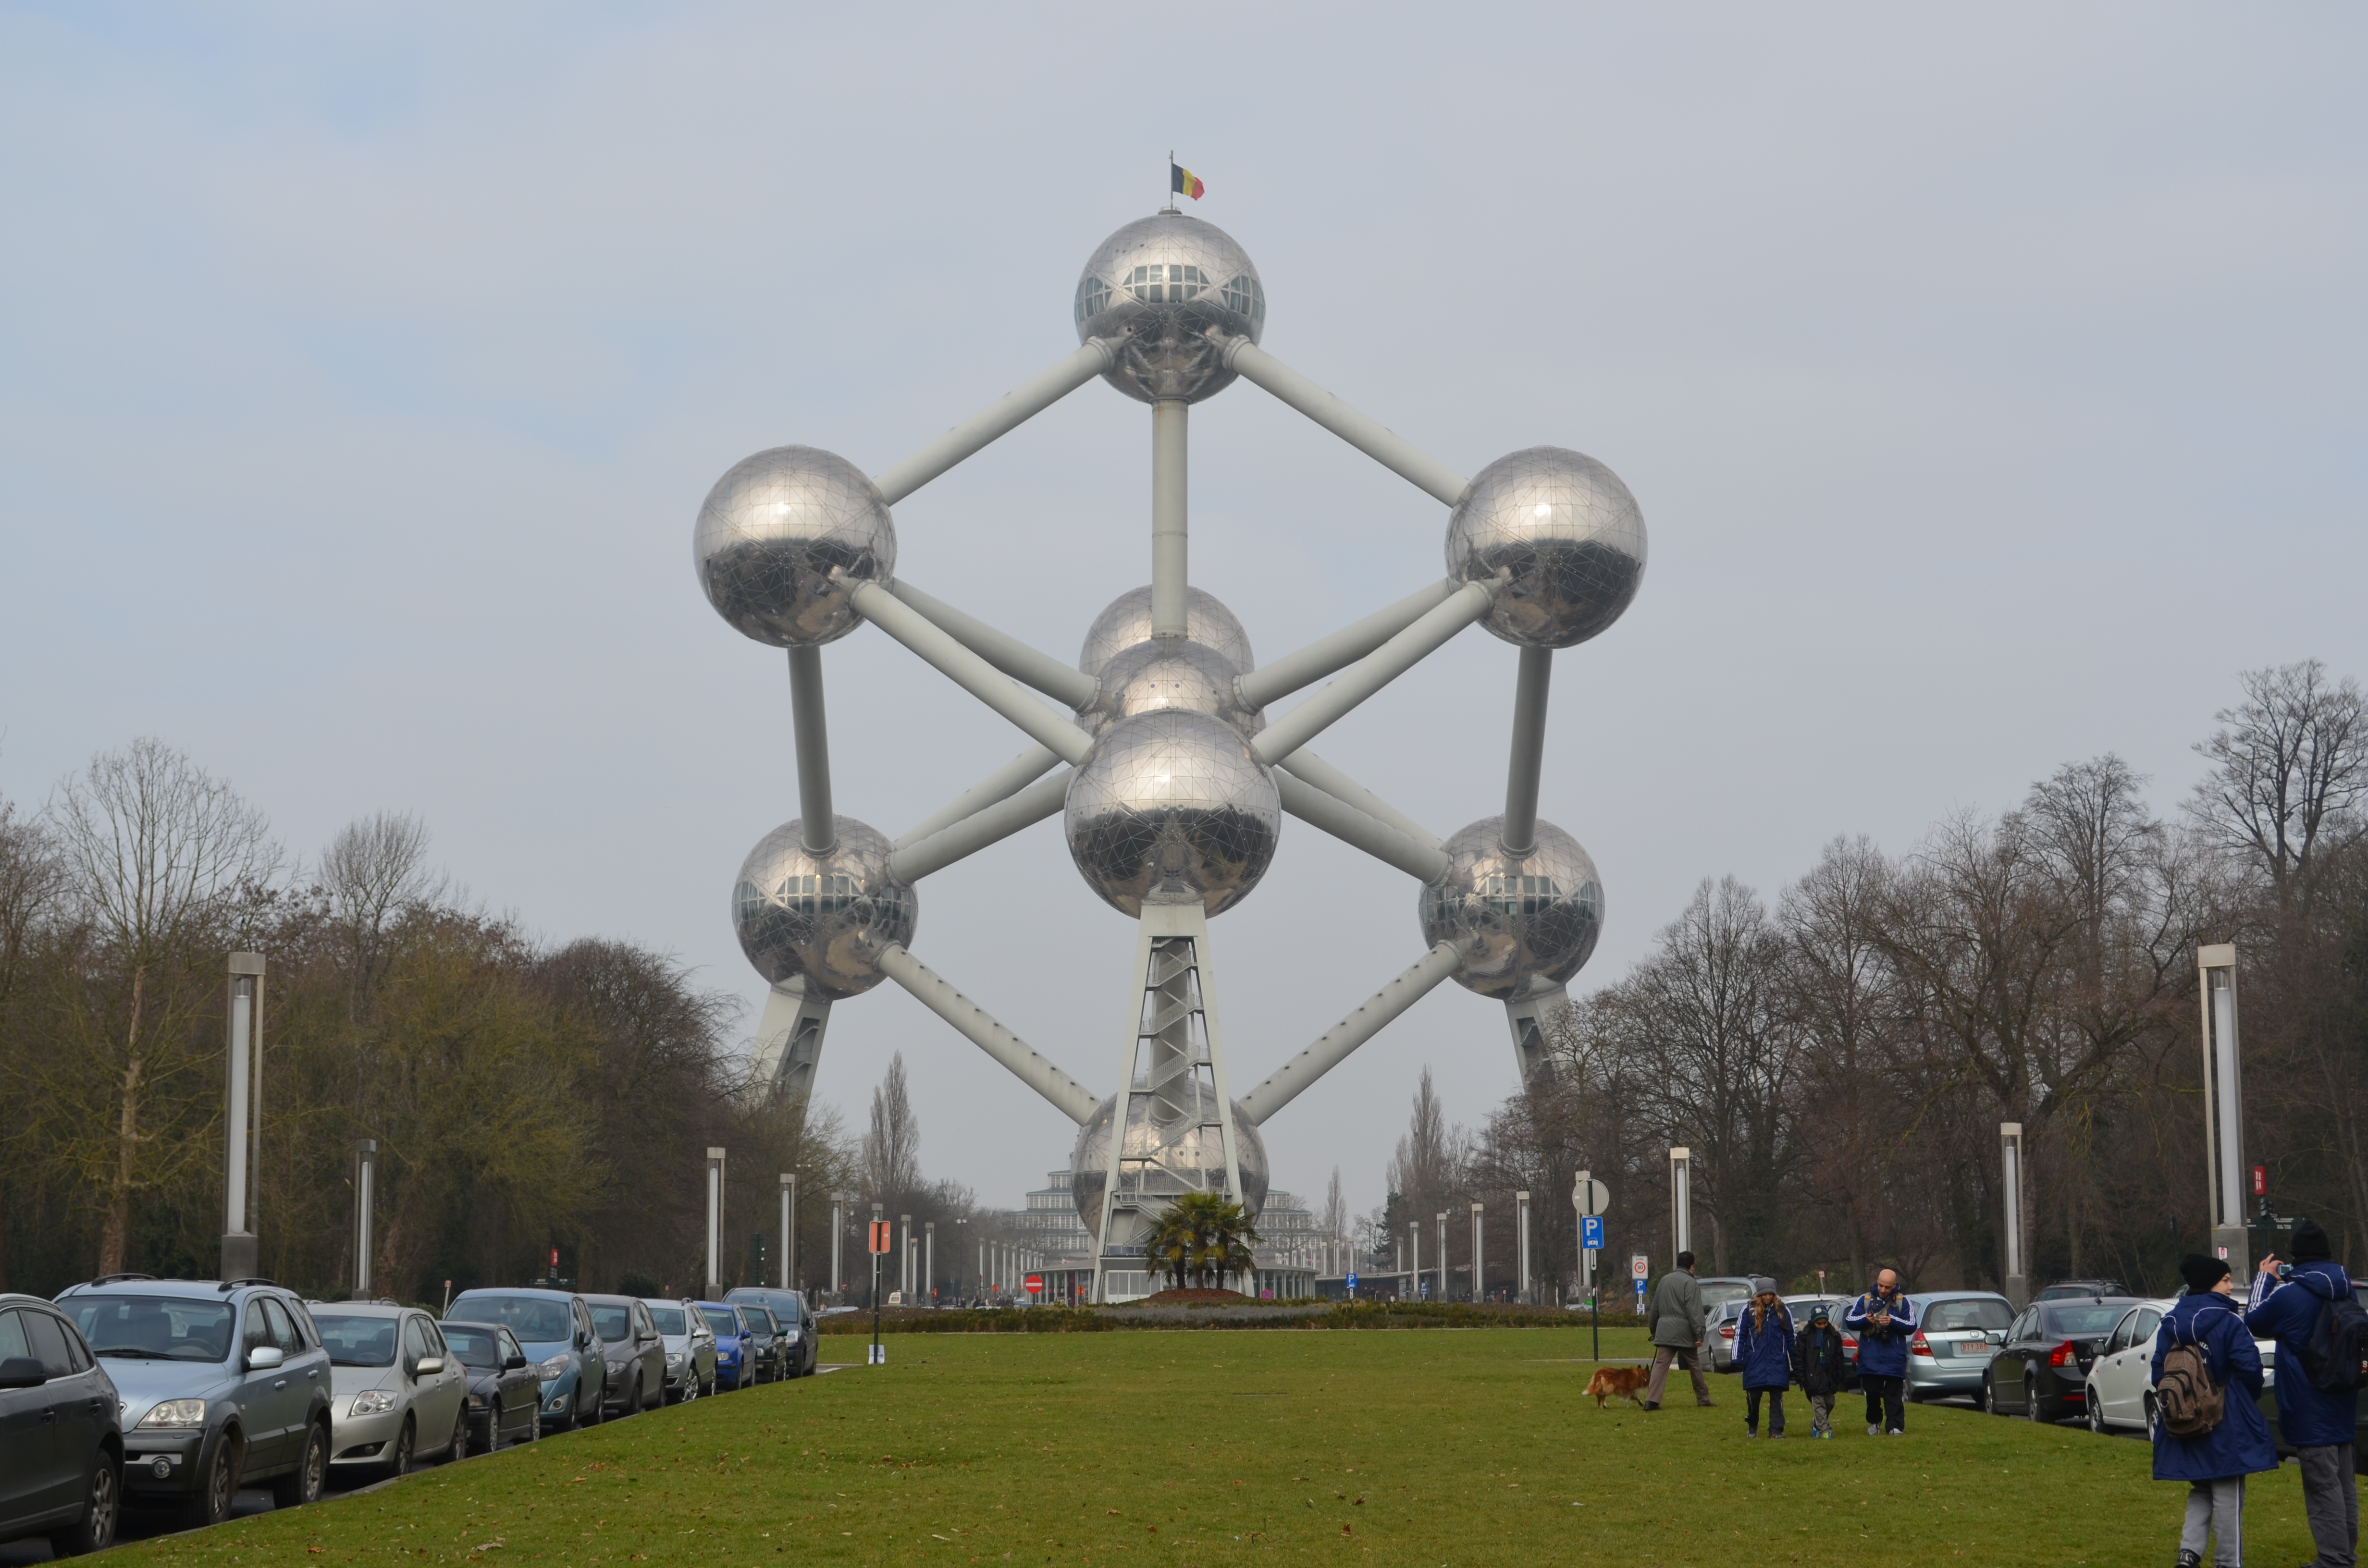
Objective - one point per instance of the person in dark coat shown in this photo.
(1763, 1354)
(2317, 1424)
(2214, 1463)
(1821, 1366)
(1885, 1321)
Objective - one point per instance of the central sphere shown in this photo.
(1171, 289)
(771, 532)
(1127, 621)
(1174, 1154)
(1169, 673)
(1536, 917)
(1565, 533)
(1170, 807)
(823, 917)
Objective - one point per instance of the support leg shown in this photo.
(789, 1041)
(1529, 1015)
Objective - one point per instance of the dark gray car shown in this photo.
(635, 1355)
(795, 1320)
(61, 1444)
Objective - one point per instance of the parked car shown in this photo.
(1956, 1333)
(397, 1393)
(733, 1370)
(504, 1388)
(221, 1385)
(635, 1354)
(555, 1329)
(795, 1321)
(2077, 1289)
(765, 1339)
(61, 1432)
(2042, 1370)
(2121, 1378)
(689, 1349)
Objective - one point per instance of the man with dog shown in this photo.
(1678, 1319)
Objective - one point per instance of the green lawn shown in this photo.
(1415, 1446)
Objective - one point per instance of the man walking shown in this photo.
(2317, 1423)
(1676, 1317)
(1885, 1321)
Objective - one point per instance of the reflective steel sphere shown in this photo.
(1170, 806)
(1127, 622)
(1172, 288)
(1171, 673)
(1181, 1154)
(769, 534)
(1536, 917)
(1567, 534)
(826, 916)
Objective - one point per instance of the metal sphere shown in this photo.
(1127, 622)
(1171, 289)
(823, 917)
(1170, 806)
(1169, 672)
(1536, 917)
(1566, 534)
(1174, 1154)
(771, 533)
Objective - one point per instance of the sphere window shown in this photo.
(1245, 296)
(1093, 298)
(1519, 895)
(1166, 283)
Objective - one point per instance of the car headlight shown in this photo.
(790, 1337)
(373, 1401)
(674, 1357)
(175, 1414)
(554, 1367)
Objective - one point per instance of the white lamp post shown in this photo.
(2224, 1115)
(2018, 1284)
(365, 1206)
(1681, 1200)
(1476, 1252)
(789, 1230)
(243, 1121)
(1522, 1209)
(714, 1223)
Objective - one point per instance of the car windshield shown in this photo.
(614, 1323)
(2072, 1323)
(536, 1322)
(475, 1347)
(760, 1318)
(1717, 1294)
(354, 1341)
(155, 1328)
(1967, 1314)
(721, 1320)
(669, 1320)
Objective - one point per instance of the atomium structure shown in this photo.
(1156, 747)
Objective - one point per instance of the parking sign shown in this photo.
(1590, 1232)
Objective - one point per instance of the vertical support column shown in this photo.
(1477, 1278)
(1413, 1256)
(789, 1230)
(837, 1240)
(817, 827)
(1521, 1208)
(2018, 1282)
(1168, 537)
(714, 1223)
(929, 1261)
(1681, 1202)
(1443, 1255)
(1520, 831)
(364, 1212)
(2223, 1120)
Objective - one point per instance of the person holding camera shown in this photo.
(2316, 1420)
(2211, 1451)
(1885, 1321)
(1676, 1320)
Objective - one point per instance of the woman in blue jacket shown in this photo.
(1763, 1353)
(2215, 1463)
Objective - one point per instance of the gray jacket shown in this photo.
(1676, 1313)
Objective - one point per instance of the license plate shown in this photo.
(1973, 1348)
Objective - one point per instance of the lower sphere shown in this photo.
(825, 917)
(1535, 916)
(1170, 807)
(1172, 1139)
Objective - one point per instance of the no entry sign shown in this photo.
(1035, 1283)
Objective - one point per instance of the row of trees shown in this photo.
(1839, 1059)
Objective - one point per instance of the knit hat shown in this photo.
(1818, 1313)
(2310, 1243)
(2200, 1272)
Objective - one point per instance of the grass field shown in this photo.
(1418, 1447)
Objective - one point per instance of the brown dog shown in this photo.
(1619, 1383)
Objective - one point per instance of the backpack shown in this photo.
(2188, 1399)
(2338, 1344)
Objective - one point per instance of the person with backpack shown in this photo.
(1821, 1366)
(1763, 1354)
(2208, 1428)
(2322, 1335)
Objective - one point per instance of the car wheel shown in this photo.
(94, 1531)
(2096, 1410)
(631, 1403)
(218, 1486)
(2034, 1408)
(406, 1449)
(458, 1449)
(1989, 1395)
(575, 1421)
(2153, 1420)
(303, 1485)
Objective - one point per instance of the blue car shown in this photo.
(735, 1365)
(554, 1328)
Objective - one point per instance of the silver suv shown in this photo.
(222, 1385)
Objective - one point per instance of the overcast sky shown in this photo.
(1991, 385)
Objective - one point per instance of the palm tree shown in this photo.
(1204, 1235)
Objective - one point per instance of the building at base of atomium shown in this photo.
(1157, 749)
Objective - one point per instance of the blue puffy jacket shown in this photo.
(2240, 1444)
(2307, 1418)
(1764, 1355)
(1882, 1354)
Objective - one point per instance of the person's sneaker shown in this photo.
(1897, 1433)
(1653, 1405)
(2189, 1558)
(1749, 1432)
(1873, 1430)
(1707, 1403)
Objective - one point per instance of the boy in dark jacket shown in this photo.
(1821, 1368)
(2318, 1425)
(2214, 1463)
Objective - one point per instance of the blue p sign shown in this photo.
(1590, 1232)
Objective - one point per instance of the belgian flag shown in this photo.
(1184, 182)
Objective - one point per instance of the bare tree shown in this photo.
(2290, 771)
(892, 1148)
(372, 872)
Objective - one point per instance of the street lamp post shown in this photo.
(838, 1239)
(904, 1258)
(2224, 1115)
(365, 1206)
(2018, 1284)
(714, 1223)
(789, 1230)
(1476, 1252)
(242, 1130)
(1681, 1200)
(1414, 1254)
(929, 1261)
(1443, 1255)
(1521, 1208)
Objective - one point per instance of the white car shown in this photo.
(396, 1390)
(2121, 1380)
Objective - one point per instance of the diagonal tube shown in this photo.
(1332, 1048)
(1520, 832)
(1072, 1099)
(967, 670)
(1170, 544)
(1314, 771)
(1377, 441)
(1344, 647)
(1000, 417)
(817, 828)
(1000, 785)
(1370, 673)
(1425, 863)
(1005, 652)
(976, 832)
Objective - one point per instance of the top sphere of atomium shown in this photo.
(1169, 290)
(1127, 624)
(1566, 534)
(1532, 917)
(822, 918)
(1171, 807)
(772, 531)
